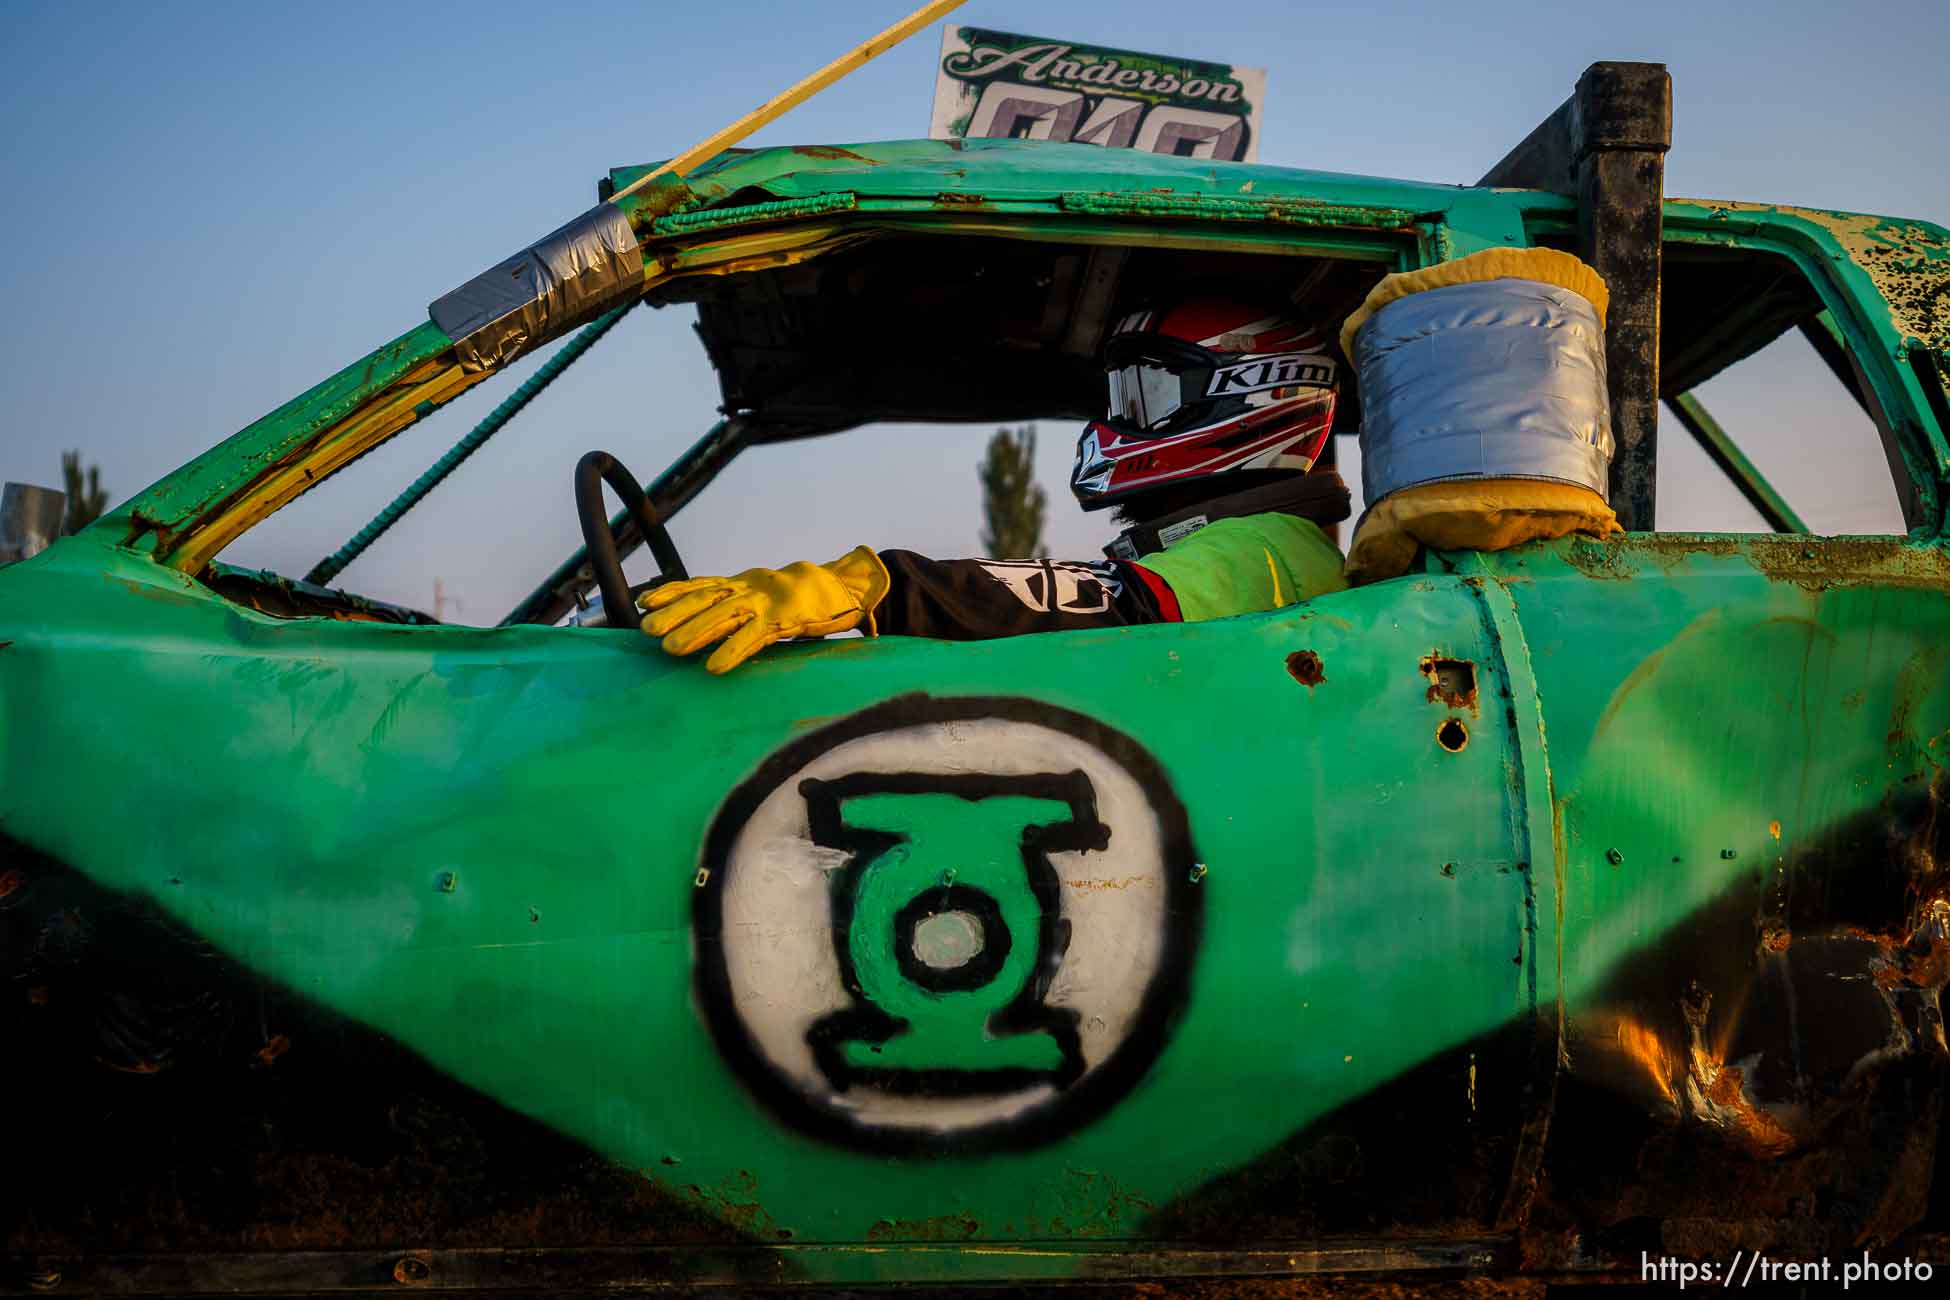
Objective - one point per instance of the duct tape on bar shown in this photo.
(1498, 379)
(542, 292)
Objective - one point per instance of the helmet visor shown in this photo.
(1151, 380)
(1145, 394)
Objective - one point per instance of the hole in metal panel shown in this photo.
(1306, 668)
(1451, 681)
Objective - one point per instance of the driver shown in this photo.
(1217, 412)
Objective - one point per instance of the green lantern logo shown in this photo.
(943, 872)
(947, 924)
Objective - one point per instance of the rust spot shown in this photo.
(412, 1271)
(832, 153)
(140, 524)
(11, 881)
(37, 995)
(1717, 1093)
(1452, 735)
(735, 1202)
(1623, 558)
(1774, 829)
(1642, 1046)
(1451, 681)
(1306, 668)
(945, 1227)
(272, 1050)
(1922, 960)
(960, 199)
(1108, 882)
(1842, 561)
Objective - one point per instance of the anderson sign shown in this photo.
(1002, 84)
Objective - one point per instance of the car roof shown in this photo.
(1037, 184)
(1015, 169)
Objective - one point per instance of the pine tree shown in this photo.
(86, 501)
(1012, 503)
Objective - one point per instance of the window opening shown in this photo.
(1814, 451)
(1764, 427)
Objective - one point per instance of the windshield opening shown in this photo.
(920, 345)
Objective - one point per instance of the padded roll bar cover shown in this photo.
(1497, 380)
(569, 277)
(1547, 265)
(1486, 416)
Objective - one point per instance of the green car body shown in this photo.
(1504, 872)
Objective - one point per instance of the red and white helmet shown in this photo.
(1206, 388)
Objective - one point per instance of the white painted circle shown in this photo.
(776, 923)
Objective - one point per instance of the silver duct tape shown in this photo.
(30, 520)
(1502, 379)
(569, 277)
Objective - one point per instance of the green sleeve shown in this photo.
(1245, 565)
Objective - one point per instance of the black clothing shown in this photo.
(972, 600)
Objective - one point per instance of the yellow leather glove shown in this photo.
(760, 606)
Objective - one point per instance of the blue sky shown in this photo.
(207, 208)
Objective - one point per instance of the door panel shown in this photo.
(1264, 908)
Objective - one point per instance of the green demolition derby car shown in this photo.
(1528, 911)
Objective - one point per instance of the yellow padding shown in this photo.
(1479, 514)
(1545, 264)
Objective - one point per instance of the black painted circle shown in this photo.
(977, 970)
(1085, 1100)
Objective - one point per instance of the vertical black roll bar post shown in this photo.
(1606, 145)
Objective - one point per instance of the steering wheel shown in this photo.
(592, 471)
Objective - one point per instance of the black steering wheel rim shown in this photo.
(605, 557)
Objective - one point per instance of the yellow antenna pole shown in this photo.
(712, 145)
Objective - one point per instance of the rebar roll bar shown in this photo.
(332, 565)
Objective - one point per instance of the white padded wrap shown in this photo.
(1497, 379)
